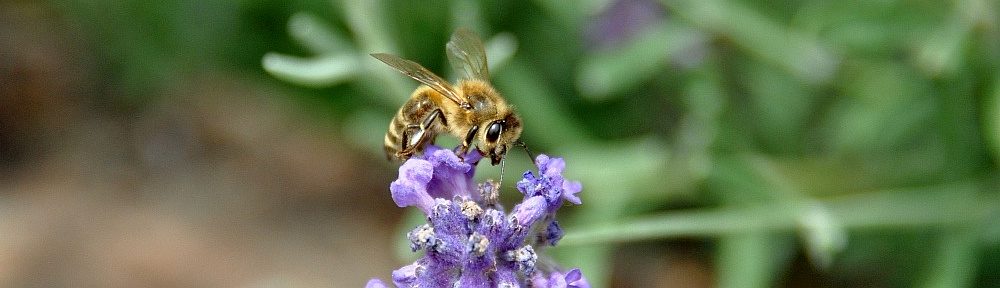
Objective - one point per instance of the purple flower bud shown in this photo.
(530, 210)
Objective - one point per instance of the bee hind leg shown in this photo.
(410, 140)
(415, 136)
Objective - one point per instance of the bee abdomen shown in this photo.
(412, 113)
(392, 142)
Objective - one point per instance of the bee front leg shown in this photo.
(467, 142)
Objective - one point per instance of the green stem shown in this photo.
(941, 205)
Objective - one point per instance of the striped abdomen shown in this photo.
(405, 126)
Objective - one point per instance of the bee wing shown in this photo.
(423, 75)
(467, 55)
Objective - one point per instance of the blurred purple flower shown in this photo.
(621, 20)
(472, 242)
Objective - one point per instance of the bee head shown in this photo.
(498, 135)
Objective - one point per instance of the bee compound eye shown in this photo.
(493, 132)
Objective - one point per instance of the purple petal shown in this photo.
(553, 280)
(570, 189)
(452, 176)
(550, 166)
(542, 160)
(575, 279)
(557, 280)
(550, 183)
(471, 157)
(539, 280)
(375, 283)
(410, 189)
(407, 276)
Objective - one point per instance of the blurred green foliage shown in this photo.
(857, 131)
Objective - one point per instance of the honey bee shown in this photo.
(471, 109)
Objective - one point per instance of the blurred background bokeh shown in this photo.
(721, 143)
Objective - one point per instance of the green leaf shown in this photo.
(312, 72)
(956, 260)
(801, 55)
(751, 259)
(310, 32)
(991, 129)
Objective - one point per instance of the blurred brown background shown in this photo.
(215, 181)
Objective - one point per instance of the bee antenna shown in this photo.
(521, 143)
(503, 161)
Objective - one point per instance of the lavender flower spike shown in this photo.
(470, 240)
